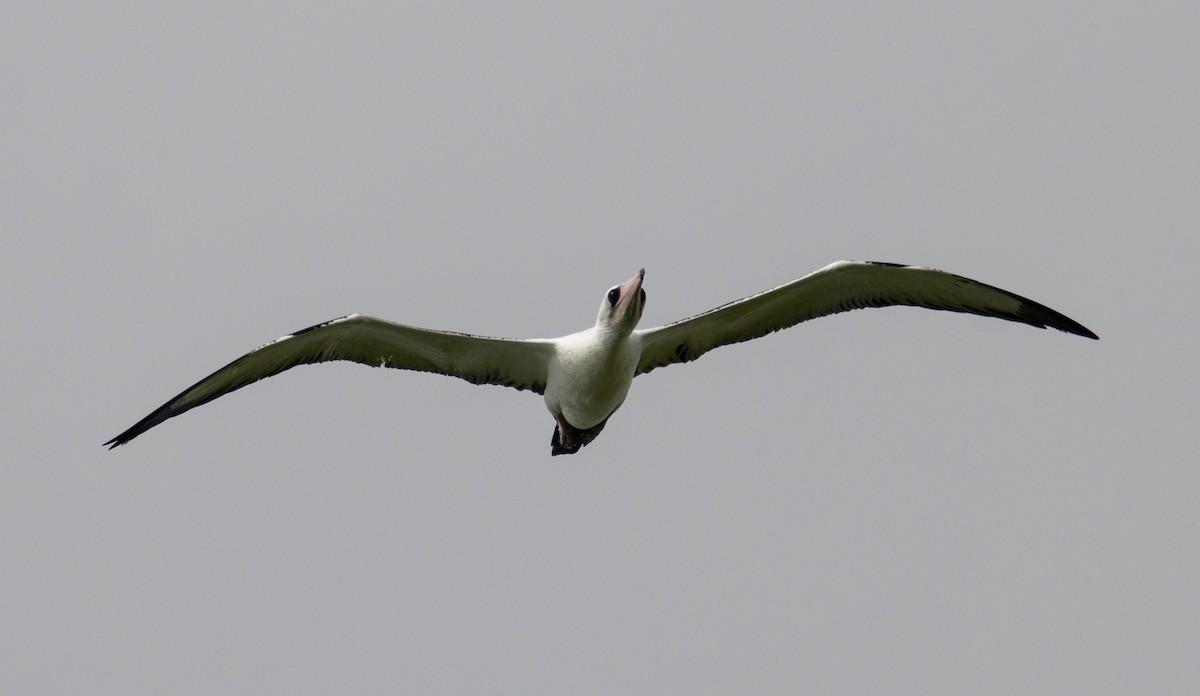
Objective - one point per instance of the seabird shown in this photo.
(585, 376)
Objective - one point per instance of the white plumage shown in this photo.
(586, 376)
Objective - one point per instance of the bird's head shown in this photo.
(622, 306)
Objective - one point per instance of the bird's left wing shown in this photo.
(520, 364)
(840, 287)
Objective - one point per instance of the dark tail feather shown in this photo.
(567, 439)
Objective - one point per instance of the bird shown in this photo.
(585, 376)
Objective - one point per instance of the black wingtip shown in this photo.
(1041, 315)
(1068, 325)
(1073, 327)
(125, 437)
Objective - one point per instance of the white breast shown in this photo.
(589, 375)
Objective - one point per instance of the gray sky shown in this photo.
(894, 501)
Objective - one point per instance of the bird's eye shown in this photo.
(613, 296)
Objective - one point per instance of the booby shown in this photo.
(584, 377)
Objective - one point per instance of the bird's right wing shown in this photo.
(840, 287)
(520, 364)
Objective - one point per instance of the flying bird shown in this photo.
(584, 377)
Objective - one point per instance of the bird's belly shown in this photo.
(585, 393)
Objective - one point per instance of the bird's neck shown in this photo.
(607, 335)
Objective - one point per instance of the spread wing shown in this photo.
(520, 364)
(840, 287)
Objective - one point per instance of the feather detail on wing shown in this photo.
(840, 287)
(520, 364)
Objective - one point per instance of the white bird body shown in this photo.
(589, 375)
(584, 377)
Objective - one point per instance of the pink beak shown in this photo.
(629, 290)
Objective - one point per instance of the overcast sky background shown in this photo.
(887, 501)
